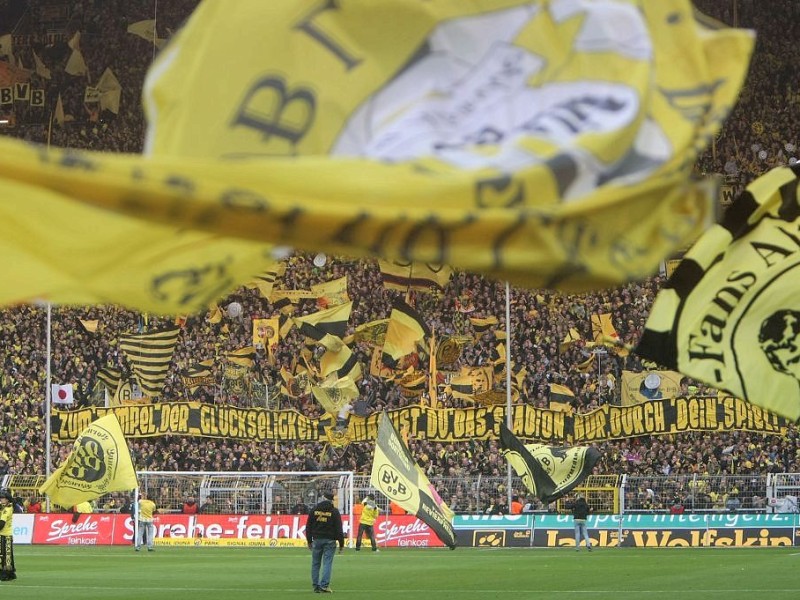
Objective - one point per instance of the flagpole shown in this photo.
(155, 28)
(48, 404)
(508, 387)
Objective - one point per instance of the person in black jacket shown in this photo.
(580, 511)
(323, 530)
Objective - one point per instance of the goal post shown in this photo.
(270, 494)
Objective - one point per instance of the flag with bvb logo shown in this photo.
(399, 478)
(547, 471)
(98, 464)
(729, 315)
(549, 144)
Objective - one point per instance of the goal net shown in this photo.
(269, 497)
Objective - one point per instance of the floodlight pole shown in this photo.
(48, 400)
(508, 387)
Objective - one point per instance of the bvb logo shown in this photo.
(393, 484)
(88, 461)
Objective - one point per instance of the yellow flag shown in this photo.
(399, 478)
(332, 293)
(603, 327)
(90, 325)
(110, 91)
(98, 464)
(729, 314)
(146, 30)
(548, 472)
(549, 144)
(266, 333)
(649, 385)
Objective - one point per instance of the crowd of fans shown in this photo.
(760, 134)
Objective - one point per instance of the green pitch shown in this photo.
(66, 573)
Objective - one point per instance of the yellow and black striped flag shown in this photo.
(150, 355)
(405, 330)
(399, 478)
(729, 316)
(328, 322)
(481, 325)
(561, 397)
(414, 276)
(109, 376)
(548, 472)
(265, 280)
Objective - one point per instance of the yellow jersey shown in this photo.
(146, 510)
(369, 514)
(7, 516)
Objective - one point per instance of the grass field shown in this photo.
(67, 573)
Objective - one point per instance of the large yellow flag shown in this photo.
(98, 464)
(549, 144)
(729, 315)
(548, 472)
(396, 474)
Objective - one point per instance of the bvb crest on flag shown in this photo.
(99, 463)
(571, 168)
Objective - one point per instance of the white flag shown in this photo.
(61, 394)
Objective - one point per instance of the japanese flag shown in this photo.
(61, 394)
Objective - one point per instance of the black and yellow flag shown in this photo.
(399, 478)
(326, 327)
(729, 316)
(405, 330)
(414, 276)
(373, 332)
(586, 365)
(449, 349)
(547, 471)
(150, 355)
(243, 357)
(265, 280)
(642, 386)
(90, 325)
(574, 173)
(560, 397)
(336, 395)
(296, 385)
(569, 339)
(98, 464)
(331, 293)
(470, 382)
(481, 325)
(266, 333)
(343, 362)
(199, 374)
(603, 328)
(109, 377)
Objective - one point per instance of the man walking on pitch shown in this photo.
(323, 531)
(580, 512)
(8, 570)
(147, 509)
(369, 514)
